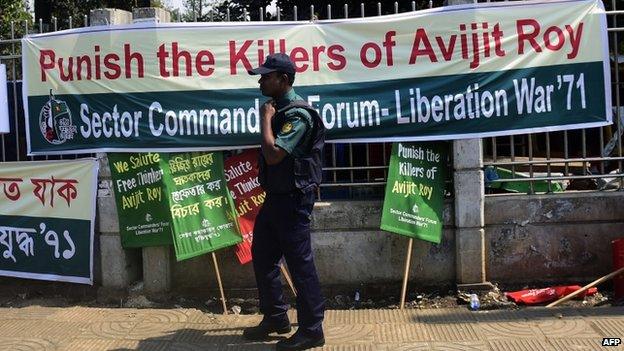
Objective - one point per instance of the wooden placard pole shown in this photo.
(288, 279)
(586, 287)
(214, 260)
(408, 260)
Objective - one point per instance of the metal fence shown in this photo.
(13, 145)
(588, 159)
(585, 159)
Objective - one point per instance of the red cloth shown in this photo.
(538, 296)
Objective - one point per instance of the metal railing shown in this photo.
(585, 159)
(13, 145)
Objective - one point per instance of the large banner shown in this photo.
(454, 72)
(47, 212)
(202, 210)
(414, 201)
(144, 217)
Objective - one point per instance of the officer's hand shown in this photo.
(268, 109)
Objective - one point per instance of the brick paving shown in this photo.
(121, 329)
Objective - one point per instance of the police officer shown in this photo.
(293, 136)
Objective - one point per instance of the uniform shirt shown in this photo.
(293, 131)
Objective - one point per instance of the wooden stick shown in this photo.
(214, 260)
(586, 287)
(406, 273)
(288, 279)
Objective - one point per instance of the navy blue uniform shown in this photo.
(282, 227)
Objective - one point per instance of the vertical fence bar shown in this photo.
(311, 12)
(295, 13)
(413, 5)
(279, 13)
(41, 31)
(361, 9)
(548, 162)
(531, 189)
(26, 31)
(334, 147)
(13, 78)
(566, 154)
(617, 95)
(584, 151)
(55, 28)
(13, 69)
(601, 140)
(494, 150)
(329, 14)
(71, 22)
(512, 151)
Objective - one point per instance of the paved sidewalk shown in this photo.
(83, 328)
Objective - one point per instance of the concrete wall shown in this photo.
(536, 238)
(564, 237)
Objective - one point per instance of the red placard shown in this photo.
(241, 174)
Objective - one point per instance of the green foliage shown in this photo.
(63, 10)
(216, 10)
(13, 10)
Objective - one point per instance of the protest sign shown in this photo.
(47, 214)
(454, 72)
(144, 217)
(414, 201)
(202, 210)
(241, 174)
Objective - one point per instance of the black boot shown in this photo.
(262, 331)
(300, 341)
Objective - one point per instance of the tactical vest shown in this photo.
(296, 173)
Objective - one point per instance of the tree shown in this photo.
(63, 10)
(205, 10)
(16, 11)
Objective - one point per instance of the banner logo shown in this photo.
(55, 121)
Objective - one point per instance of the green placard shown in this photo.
(202, 209)
(414, 201)
(144, 218)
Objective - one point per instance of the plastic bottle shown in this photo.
(474, 302)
